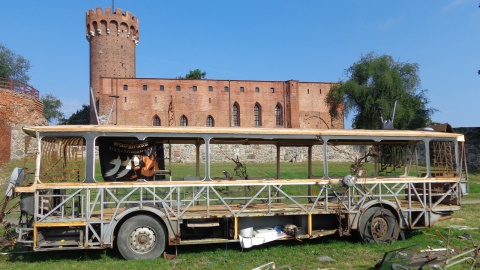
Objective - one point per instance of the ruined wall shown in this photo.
(264, 153)
(17, 110)
(5, 138)
(472, 139)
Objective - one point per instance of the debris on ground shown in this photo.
(465, 236)
(461, 228)
(431, 258)
(435, 258)
(326, 259)
(271, 265)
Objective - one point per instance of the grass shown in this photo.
(347, 252)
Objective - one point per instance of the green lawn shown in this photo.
(347, 252)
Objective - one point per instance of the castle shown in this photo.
(118, 97)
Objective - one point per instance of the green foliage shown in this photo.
(80, 117)
(376, 82)
(196, 74)
(51, 108)
(13, 66)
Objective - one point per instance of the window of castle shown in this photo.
(125, 87)
(183, 121)
(236, 115)
(145, 87)
(194, 88)
(156, 121)
(257, 89)
(278, 115)
(178, 87)
(257, 115)
(210, 121)
(162, 87)
(210, 88)
(242, 89)
(225, 89)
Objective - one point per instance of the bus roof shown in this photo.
(159, 131)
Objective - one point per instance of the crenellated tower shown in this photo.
(113, 37)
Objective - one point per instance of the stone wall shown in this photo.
(264, 153)
(472, 139)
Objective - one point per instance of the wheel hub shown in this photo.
(379, 227)
(142, 240)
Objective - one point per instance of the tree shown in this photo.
(51, 108)
(196, 74)
(13, 66)
(375, 83)
(80, 117)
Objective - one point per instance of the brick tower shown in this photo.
(113, 38)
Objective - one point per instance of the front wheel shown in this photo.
(378, 225)
(141, 237)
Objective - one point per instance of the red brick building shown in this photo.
(121, 98)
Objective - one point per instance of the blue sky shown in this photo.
(308, 40)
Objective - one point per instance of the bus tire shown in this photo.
(141, 237)
(378, 225)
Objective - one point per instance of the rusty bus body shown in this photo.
(415, 178)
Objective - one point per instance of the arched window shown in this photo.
(156, 121)
(236, 115)
(183, 121)
(257, 115)
(210, 121)
(278, 115)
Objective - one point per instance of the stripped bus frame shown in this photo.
(141, 218)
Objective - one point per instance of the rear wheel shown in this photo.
(378, 225)
(141, 237)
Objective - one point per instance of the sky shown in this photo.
(271, 40)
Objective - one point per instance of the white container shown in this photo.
(246, 232)
(268, 234)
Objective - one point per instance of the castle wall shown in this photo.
(17, 110)
(472, 142)
(141, 99)
(313, 111)
(5, 138)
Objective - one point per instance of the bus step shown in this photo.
(207, 223)
(68, 243)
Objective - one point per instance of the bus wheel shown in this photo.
(141, 237)
(378, 225)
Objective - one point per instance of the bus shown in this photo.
(133, 187)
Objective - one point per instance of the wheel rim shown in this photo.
(379, 227)
(142, 240)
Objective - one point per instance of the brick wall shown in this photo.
(20, 109)
(4, 143)
(139, 100)
(17, 110)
